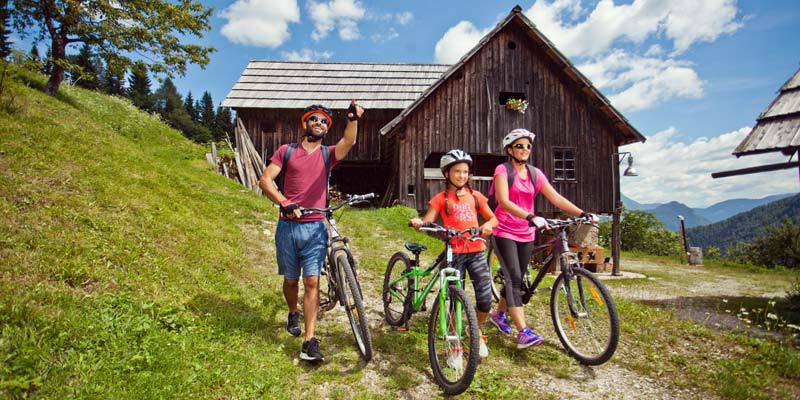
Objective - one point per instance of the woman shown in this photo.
(513, 238)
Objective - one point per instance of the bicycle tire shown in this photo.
(327, 288)
(592, 337)
(397, 299)
(449, 371)
(350, 297)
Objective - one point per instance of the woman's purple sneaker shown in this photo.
(527, 338)
(499, 320)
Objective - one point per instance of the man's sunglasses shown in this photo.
(527, 146)
(315, 118)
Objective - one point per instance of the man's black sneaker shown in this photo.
(292, 324)
(311, 351)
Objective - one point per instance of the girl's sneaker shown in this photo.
(499, 320)
(527, 338)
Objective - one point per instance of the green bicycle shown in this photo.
(453, 332)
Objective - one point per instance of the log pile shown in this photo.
(248, 160)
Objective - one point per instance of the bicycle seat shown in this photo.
(415, 248)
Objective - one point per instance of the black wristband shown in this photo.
(586, 215)
(352, 110)
(288, 209)
(529, 218)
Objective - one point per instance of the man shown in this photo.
(301, 240)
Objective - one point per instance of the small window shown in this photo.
(564, 164)
(504, 96)
(512, 45)
(411, 190)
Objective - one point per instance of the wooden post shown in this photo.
(615, 239)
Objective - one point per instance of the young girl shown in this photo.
(513, 240)
(459, 205)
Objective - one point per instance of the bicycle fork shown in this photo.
(446, 276)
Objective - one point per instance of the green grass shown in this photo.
(129, 269)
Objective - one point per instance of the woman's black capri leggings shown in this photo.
(514, 257)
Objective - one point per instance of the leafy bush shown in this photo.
(642, 231)
(776, 247)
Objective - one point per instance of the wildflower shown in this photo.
(772, 303)
(772, 316)
(724, 300)
(793, 326)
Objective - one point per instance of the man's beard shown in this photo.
(312, 137)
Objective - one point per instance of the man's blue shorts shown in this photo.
(300, 246)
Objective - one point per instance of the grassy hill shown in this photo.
(129, 269)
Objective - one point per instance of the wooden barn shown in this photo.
(270, 96)
(577, 130)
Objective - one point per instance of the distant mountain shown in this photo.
(728, 208)
(746, 226)
(631, 204)
(668, 214)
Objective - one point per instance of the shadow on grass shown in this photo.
(235, 315)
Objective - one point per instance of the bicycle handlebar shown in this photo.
(349, 200)
(562, 223)
(474, 233)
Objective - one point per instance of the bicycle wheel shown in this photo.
(350, 296)
(453, 353)
(585, 317)
(494, 269)
(327, 288)
(397, 292)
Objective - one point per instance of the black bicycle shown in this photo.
(584, 314)
(338, 278)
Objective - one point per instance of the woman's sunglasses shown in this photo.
(523, 146)
(315, 118)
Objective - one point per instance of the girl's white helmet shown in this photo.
(454, 157)
(517, 134)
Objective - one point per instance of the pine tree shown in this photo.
(34, 62)
(88, 76)
(207, 115)
(188, 104)
(114, 78)
(5, 32)
(139, 87)
(223, 123)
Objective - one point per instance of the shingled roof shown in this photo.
(628, 133)
(778, 127)
(293, 84)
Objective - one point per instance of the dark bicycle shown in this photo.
(338, 279)
(453, 332)
(584, 314)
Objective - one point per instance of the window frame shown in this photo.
(562, 173)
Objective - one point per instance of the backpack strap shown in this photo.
(531, 173)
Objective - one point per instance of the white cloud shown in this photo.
(263, 23)
(382, 37)
(642, 82)
(306, 55)
(404, 18)
(336, 14)
(672, 170)
(685, 22)
(457, 41)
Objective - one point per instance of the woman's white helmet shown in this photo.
(517, 134)
(454, 157)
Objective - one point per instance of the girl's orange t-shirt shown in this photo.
(462, 213)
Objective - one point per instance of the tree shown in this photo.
(778, 246)
(642, 231)
(168, 103)
(223, 123)
(139, 87)
(88, 71)
(113, 81)
(5, 33)
(188, 104)
(206, 108)
(156, 30)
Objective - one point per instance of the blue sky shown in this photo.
(691, 76)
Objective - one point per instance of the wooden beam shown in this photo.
(754, 170)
